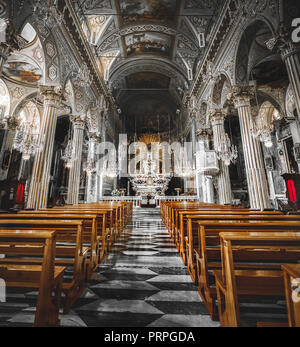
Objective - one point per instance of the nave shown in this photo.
(142, 283)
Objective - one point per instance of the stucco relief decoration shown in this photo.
(50, 49)
(17, 93)
(52, 72)
(290, 102)
(37, 53)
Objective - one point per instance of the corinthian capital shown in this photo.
(52, 95)
(241, 95)
(94, 136)
(203, 134)
(12, 123)
(217, 116)
(78, 121)
(282, 42)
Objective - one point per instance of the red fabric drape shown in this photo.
(291, 190)
(20, 193)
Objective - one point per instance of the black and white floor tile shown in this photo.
(143, 283)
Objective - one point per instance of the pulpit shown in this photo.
(292, 182)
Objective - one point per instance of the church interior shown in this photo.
(150, 163)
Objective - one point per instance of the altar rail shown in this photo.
(137, 200)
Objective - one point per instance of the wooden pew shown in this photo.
(291, 273)
(195, 215)
(190, 238)
(70, 251)
(208, 255)
(94, 230)
(47, 277)
(113, 224)
(262, 253)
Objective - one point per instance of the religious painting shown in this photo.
(151, 43)
(147, 114)
(137, 11)
(147, 80)
(24, 70)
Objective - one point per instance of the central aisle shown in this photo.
(143, 282)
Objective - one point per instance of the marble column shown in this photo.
(75, 170)
(290, 56)
(255, 170)
(224, 185)
(39, 186)
(203, 146)
(8, 141)
(93, 177)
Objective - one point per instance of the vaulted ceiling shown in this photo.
(147, 49)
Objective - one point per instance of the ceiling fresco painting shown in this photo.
(149, 48)
(143, 43)
(22, 70)
(133, 11)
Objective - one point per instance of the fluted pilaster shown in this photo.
(93, 183)
(224, 185)
(205, 189)
(74, 174)
(256, 175)
(38, 191)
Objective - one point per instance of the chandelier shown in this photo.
(26, 141)
(111, 169)
(226, 151)
(67, 157)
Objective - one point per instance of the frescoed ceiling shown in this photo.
(151, 45)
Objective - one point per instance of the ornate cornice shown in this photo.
(72, 24)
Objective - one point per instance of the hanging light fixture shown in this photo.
(226, 151)
(67, 156)
(27, 138)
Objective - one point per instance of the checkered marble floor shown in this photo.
(143, 283)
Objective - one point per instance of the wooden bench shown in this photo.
(95, 232)
(208, 255)
(190, 241)
(262, 253)
(70, 251)
(112, 228)
(194, 216)
(291, 273)
(47, 277)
